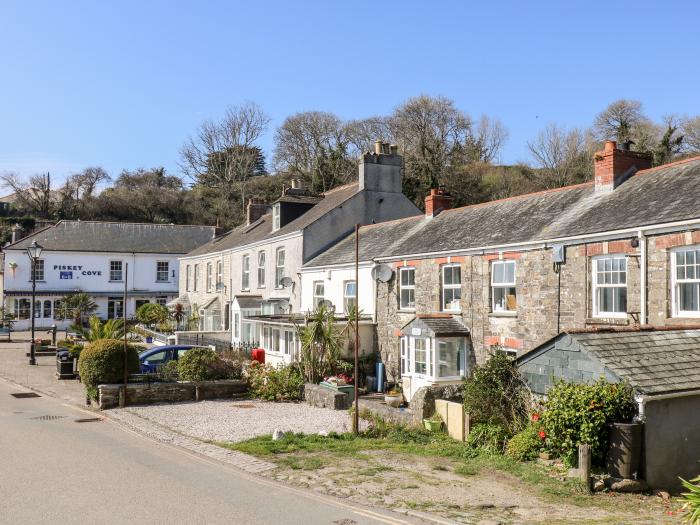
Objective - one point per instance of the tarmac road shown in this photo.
(56, 470)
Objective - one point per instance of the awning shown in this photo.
(436, 325)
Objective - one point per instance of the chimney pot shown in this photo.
(610, 145)
(438, 200)
(378, 147)
(613, 166)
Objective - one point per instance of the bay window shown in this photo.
(686, 282)
(407, 288)
(451, 287)
(435, 358)
(610, 286)
(503, 294)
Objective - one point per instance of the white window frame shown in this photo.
(275, 340)
(160, 271)
(495, 308)
(210, 277)
(408, 270)
(245, 272)
(279, 268)
(37, 267)
(676, 282)
(288, 344)
(599, 286)
(276, 217)
(219, 273)
(196, 277)
(237, 325)
(188, 272)
(453, 287)
(113, 271)
(432, 346)
(348, 297)
(318, 298)
(261, 268)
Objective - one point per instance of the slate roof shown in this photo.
(247, 302)
(657, 195)
(95, 236)
(438, 325)
(262, 228)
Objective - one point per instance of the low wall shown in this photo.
(322, 397)
(455, 419)
(403, 417)
(150, 393)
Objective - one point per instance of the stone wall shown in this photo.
(322, 397)
(150, 393)
(547, 302)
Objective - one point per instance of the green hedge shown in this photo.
(283, 383)
(204, 364)
(102, 362)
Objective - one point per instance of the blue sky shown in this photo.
(123, 84)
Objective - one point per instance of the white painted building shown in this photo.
(93, 257)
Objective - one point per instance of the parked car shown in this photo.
(153, 358)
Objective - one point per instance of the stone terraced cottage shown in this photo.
(619, 252)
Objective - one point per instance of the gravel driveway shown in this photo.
(225, 420)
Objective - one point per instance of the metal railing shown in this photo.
(157, 336)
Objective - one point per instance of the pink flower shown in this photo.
(535, 417)
(542, 434)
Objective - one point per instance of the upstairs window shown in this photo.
(503, 286)
(610, 286)
(196, 277)
(261, 269)
(210, 282)
(245, 272)
(187, 277)
(162, 270)
(219, 274)
(115, 271)
(686, 282)
(38, 270)
(451, 287)
(276, 217)
(349, 296)
(319, 293)
(279, 267)
(407, 288)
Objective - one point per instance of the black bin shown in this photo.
(64, 364)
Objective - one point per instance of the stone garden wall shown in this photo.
(149, 393)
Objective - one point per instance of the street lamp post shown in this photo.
(34, 252)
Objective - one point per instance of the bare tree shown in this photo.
(623, 120)
(486, 140)
(34, 194)
(691, 131)
(224, 153)
(315, 145)
(563, 157)
(363, 133)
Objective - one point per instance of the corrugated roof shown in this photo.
(94, 236)
(658, 195)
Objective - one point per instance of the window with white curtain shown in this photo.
(451, 287)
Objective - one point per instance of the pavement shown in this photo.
(58, 470)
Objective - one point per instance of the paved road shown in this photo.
(56, 470)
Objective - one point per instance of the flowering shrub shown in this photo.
(526, 444)
(579, 414)
(285, 383)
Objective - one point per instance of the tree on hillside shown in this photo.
(620, 121)
(691, 132)
(671, 143)
(562, 156)
(33, 195)
(77, 196)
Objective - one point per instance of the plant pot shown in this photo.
(393, 400)
(149, 339)
(432, 425)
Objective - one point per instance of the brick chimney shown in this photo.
(613, 166)
(437, 201)
(255, 209)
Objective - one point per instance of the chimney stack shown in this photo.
(438, 200)
(255, 209)
(613, 166)
(381, 170)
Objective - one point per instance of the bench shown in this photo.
(5, 331)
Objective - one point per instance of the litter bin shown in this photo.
(64, 364)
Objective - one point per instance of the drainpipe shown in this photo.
(643, 278)
(642, 400)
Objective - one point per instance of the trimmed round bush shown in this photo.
(204, 364)
(525, 445)
(102, 362)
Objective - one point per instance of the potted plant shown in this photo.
(394, 397)
(433, 423)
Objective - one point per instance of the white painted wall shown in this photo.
(334, 285)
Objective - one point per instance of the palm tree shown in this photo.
(320, 344)
(110, 329)
(79, 306)
(178, 314)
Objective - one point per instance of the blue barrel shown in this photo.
(380, 377)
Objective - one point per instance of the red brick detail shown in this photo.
(492, 340)
(612, 164)
(621, 247)
(397, 332)
(491, 257)
(437, 201)
(591, 249)
(434, 316)
(460, 258)
(669, 241)
(505, 255)
(512, 342)
(512, 255)
(440, 260)
(695, 236)
(401, 264)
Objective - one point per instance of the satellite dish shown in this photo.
(286, 282)
(382, 273)
(220, 286)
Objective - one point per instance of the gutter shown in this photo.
(643, 399)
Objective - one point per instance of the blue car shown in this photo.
(154, 358)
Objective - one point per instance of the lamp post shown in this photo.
(34, 252)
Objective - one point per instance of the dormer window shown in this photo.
(276, 217)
